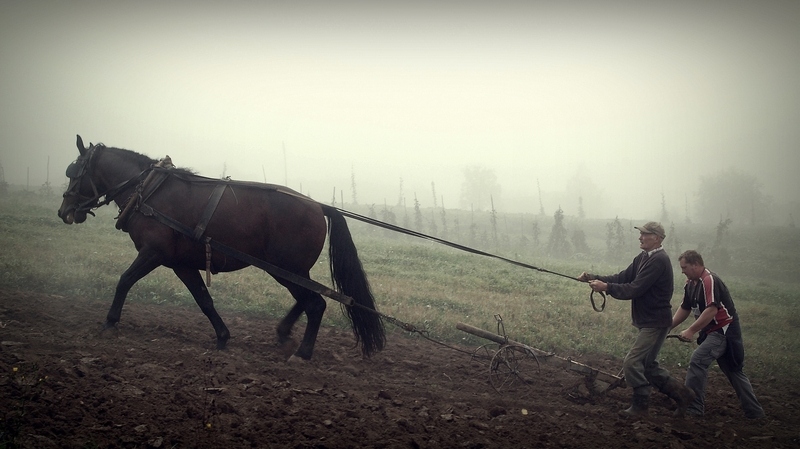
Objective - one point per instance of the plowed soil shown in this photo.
(158, 382)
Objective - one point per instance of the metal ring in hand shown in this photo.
(602, 305)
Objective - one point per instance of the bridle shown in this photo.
(79, 169)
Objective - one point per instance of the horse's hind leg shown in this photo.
(287, 323)
(314, 306)
(194, 282)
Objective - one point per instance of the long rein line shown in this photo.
(468, 249)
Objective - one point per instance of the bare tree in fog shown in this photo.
(541, 205)
(352, 186)
(417, 215)
(732, 194)
(3, 183)
(479, 187)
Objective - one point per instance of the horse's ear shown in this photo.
(81, 148)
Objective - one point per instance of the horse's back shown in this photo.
(268, 222)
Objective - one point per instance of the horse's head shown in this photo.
(81, 195)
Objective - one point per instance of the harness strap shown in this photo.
(211, 206)
(143, 191)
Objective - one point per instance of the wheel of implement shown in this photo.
(512, 370)
(485, 352)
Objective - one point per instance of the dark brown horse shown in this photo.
(269, 223)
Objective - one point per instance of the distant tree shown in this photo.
(46, 189)
(719, 255)
(557, 244)
(493, 218)
(433, 190)
(674, 243)
(664, 214)
(541, 205)
(722, 232)
(579, 242)
(443, 215)
(581, 213)
(352, 186)
(401, 200)
(417, 215)
(406, 219)
(688, 216)
(580, 185)
(535, 231)
(387, 215)
(522, 243)
(4, 184)
(473, 228)
(479, 187)
(732, 194)
(615, 239)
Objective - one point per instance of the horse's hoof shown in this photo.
(283, 337)
(109, 330)
(294, 359)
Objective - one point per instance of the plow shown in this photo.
(514, 367)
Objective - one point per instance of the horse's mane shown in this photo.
(140, 159)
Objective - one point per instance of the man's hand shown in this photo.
(686, 336)
(598, 286)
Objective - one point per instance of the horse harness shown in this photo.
(158, 174)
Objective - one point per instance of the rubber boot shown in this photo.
(638, 408)
(681, 394)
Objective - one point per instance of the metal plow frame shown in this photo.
(514, 365)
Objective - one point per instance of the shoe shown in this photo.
(639, 407)
(681, 394)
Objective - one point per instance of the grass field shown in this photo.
(432, 286)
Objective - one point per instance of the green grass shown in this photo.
(429, 285)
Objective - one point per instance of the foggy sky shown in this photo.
(617, 102)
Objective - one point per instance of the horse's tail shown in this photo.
(349, 279)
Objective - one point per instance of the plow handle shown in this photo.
(483, 334)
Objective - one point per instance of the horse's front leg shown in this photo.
(194, 282)
(147, 261)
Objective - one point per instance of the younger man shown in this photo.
(720, 335)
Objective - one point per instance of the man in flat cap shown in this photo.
(648, 284)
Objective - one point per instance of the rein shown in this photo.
(395, 228)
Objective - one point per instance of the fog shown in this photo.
(613, 102)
